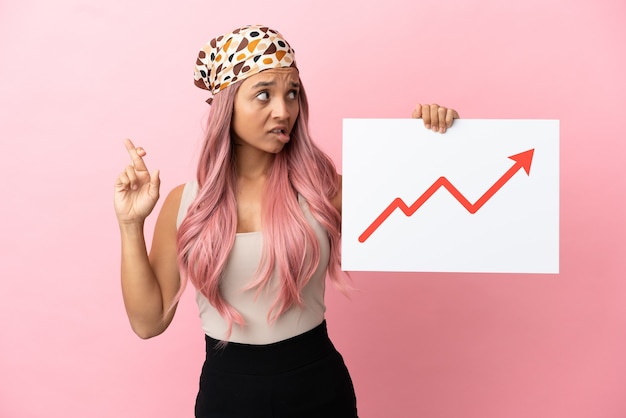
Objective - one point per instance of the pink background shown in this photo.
(78, 76)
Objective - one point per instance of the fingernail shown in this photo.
(427, 126)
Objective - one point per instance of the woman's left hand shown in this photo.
(437, 118)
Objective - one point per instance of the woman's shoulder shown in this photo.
(170, 213)
(175, 195)
(180, 198)
(182, 191)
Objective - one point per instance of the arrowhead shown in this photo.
(524, 159)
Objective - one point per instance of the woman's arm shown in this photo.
(149, 282)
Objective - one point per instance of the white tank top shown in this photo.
(238, 273)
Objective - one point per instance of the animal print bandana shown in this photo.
(240, 54)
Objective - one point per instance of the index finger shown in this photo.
(417, 112)
(135, 158)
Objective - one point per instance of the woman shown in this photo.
(256, 233)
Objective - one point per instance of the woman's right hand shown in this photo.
(136, 189)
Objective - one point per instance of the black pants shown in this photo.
(301, 377)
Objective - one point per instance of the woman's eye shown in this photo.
(263, 95)
(293, 94)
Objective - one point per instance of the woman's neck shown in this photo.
(252, 164)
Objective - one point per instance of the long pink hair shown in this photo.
(290, 246)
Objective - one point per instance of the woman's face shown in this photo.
(266, 108)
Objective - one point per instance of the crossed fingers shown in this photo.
(137, 167)
(136, 155)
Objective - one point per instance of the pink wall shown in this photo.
(78, 76)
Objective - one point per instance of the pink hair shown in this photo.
(290, 246)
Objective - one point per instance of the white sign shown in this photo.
(483, 197)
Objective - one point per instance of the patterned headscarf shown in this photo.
(240, 54)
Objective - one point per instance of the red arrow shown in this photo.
(522, 160)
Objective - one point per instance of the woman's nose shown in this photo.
(279, 109)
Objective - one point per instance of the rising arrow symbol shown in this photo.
(522, 160)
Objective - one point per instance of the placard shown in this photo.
(483, 197)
